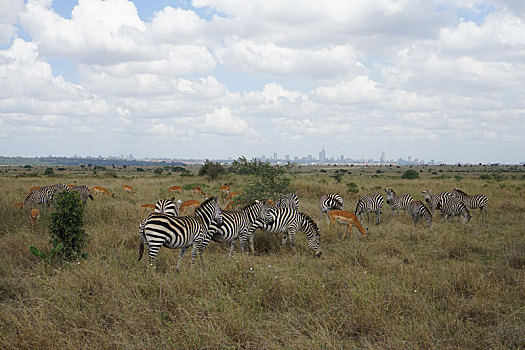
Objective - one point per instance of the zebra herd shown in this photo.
(210, 223)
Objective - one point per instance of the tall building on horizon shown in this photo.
(322, 155)
(383, 156)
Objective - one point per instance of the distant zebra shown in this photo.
(42, 195)
(330, 202)
(367, 204)
(451, 207)
(433, 199)
(472, 202)
(236, 224)
(289, 221)
(83, 191)
(397, 202)
(418, 211)
(288, 201)
(178, 232)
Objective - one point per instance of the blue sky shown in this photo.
(437, 79)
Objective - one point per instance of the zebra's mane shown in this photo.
(309, 220)
(203, 204)
(460, 191)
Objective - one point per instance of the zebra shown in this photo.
(288, 221)
(451, 207)
(236, 224)
(288, 201)
(83, 192)
(178, 232)
(432, 199)
(367, 204)
(472, 202)
(418, 210)
(397, 202)
(41, 195)
(168, 207)
(330, 202)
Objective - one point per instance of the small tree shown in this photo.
(270, 181)
(212, 170)
(48, 171)
(410, 174)
(66, 224)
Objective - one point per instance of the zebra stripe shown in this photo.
(451, 207)
(418, 211)
(236, 224)
(288, 221)
(178, 232)
(288, 201)
(367, 204)
(42, 195)
(397, 202)
(472, 202)
(83, 191)
(168, 207)
(329, 202)
(433, 199)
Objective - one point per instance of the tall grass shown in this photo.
(452, 286)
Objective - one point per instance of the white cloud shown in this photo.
(8, 17)
(222, 122)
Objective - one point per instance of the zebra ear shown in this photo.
(257, 201)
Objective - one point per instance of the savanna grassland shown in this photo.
(455, 286)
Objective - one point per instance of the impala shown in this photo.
(102, 190)
(148, 206)
(177, 189)
(346, 218)
(19, 205)
(33, 189)
(233, 195)
(225, 190)
(188, 204)
(128, 188)
(35, 215)
(198, 190)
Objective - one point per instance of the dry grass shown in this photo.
(453, 286)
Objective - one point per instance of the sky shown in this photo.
(210, 79)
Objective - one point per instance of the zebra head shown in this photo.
(210, 211)
(390, 194)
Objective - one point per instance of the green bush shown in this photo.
(66, 225)
(158, 171)
(410, 174)
(212, 170)
(352, 187)
(49, 171)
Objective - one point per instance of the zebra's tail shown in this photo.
(141, 247)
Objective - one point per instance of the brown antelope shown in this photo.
(35, 215)
(230, 205)
(19, 205)
(233, 195)
(346, 218)
(269, 202)
(188, 204)
(33, 189)
(148, 206)
(225, 190)
(177, 189)
(198, 190)
(128, 188)
(102, 190)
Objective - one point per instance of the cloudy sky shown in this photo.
(434, 79)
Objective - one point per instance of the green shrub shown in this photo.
(158, 171)
(212, 170)
(410, 174)
(49, 171)
(352, 187)
(66, 225)
(140, 170)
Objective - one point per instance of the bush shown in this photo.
(410, 174)
(352, 187)
(66, 224)
(49, 171)
(212, 170)
(158, 171)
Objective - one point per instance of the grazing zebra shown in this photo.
(418, 211)
(367, 204)
(42, 195)
(178, 232)
(472, 202)
(330, 202)
(288, 201)
(83, 191)
(397, 202)
(236, 224)
(451, 207)
(433, 199)
(288, 221)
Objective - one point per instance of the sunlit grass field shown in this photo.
(455, 286)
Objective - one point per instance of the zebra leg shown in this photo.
(285, 237)
(232, 247)
(153, 251)
(182, 252)
(378, 220)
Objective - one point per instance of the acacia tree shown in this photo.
(269, 181)
(212, 170)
